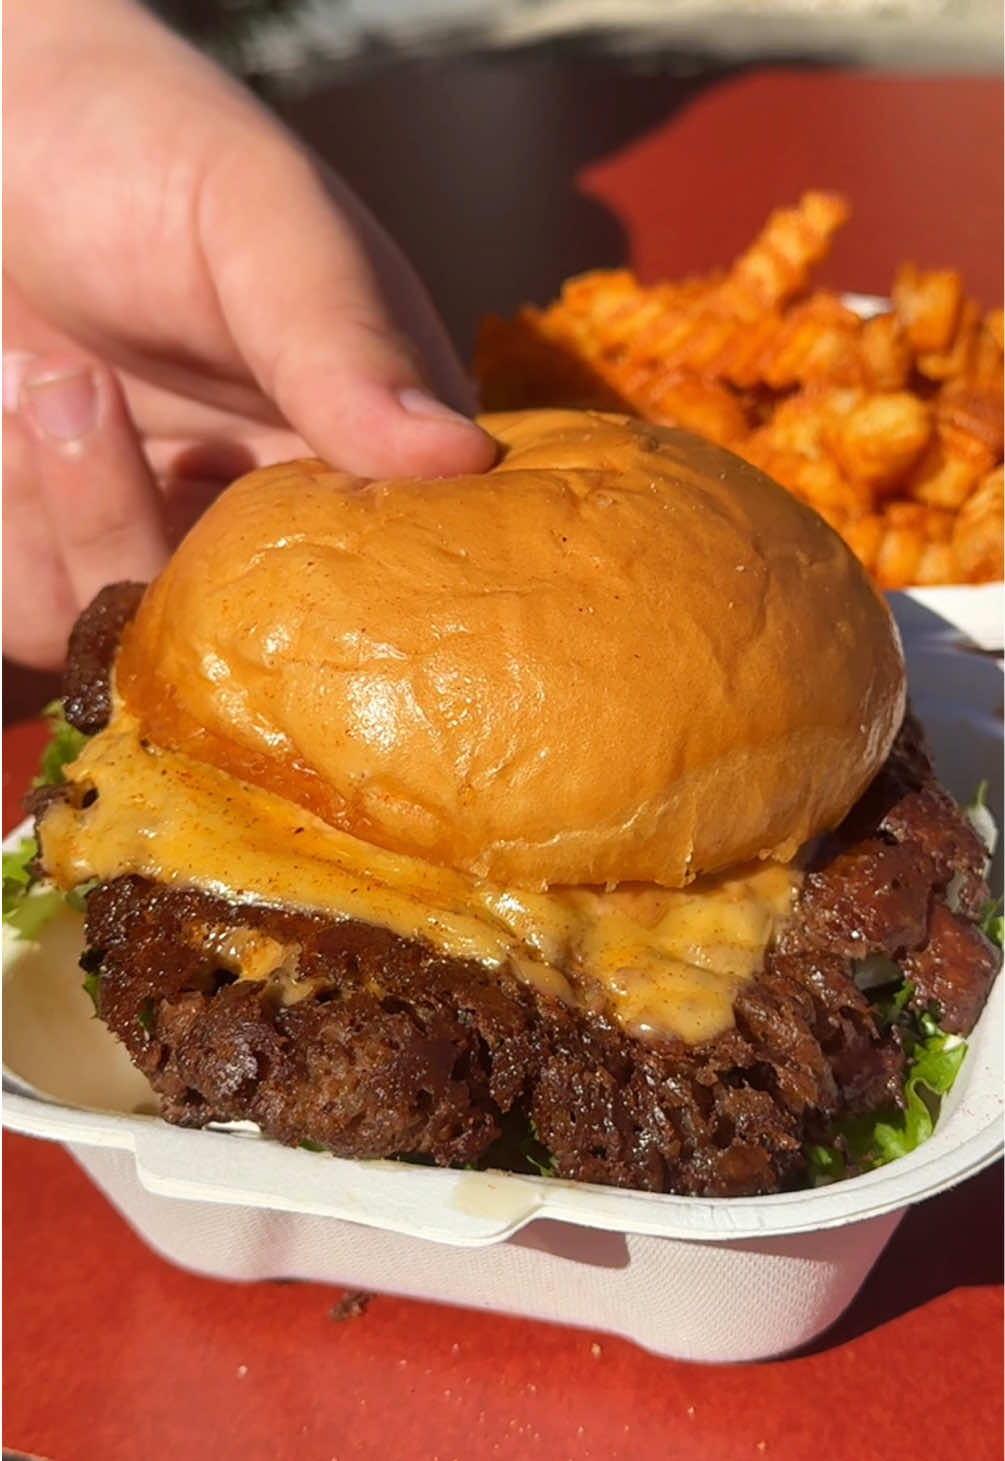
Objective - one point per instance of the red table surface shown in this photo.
(109, 1352)
(920, 162)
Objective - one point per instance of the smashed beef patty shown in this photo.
(396, 1050)
(371, 1045)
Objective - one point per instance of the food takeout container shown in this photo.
(970, 611)
(717, 1280)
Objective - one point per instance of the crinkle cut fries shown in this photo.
(891, 427)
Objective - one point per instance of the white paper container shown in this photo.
(697, 1279)
(974, 611)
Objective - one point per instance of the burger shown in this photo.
(570, 813)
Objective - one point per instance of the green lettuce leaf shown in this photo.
(17, 872)
(33, 911)
(825, 1164)
(28, 902)
(980, 818)
(77, 897)
(979, 800)
(92, 988)
(537, 1155)
(933, 1069)
(27, 907)
(992, 922)
(65, 745)
(889, 1007)
(862, 1143)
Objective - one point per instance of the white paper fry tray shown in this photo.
(706, 1280)
(975, 611)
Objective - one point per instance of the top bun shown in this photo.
(621, 655)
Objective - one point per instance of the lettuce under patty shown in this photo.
(65, 745)
(27, 907)
(29, 902)
(992, 923)
(862, 1143)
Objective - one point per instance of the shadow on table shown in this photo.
(950, 1242)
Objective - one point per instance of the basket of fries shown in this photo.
(884, 415)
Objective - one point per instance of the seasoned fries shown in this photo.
(891, 427)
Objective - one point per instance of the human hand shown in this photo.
(187, 294)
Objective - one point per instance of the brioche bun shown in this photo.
(623, 654)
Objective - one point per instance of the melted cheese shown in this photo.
(661, 962)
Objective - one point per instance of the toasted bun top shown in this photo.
(623, 654)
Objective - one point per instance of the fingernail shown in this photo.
(62, 406)
(15, 367)
(418, 402)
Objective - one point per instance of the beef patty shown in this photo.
(372, 1045)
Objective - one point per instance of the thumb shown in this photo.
(94, 485)
(81, 508)
(303, 306)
